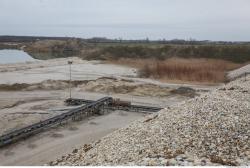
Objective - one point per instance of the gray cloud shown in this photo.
(200, 19)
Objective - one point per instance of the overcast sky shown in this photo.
(130, 19)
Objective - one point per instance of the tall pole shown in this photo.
(70, 63)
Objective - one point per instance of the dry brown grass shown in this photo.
(179, 69)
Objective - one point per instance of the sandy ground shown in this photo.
(29, 107)
(50, 145)
(58, 69)
(47, 90)
(45, 97)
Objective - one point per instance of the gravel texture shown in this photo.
(232, 75)
(213, 129)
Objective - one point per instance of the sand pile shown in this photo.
(121, 86)
(213, 129)
(49, 85)
(45, 85)
(101, 85)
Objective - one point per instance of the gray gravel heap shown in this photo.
(232, 75)
(213, 129)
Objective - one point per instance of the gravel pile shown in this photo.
(239, 72)
(213, 129)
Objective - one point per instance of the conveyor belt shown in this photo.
(38, 127)
(132, 108)
(76, 102)
(89, 107)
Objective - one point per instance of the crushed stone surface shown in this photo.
(239, 72)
